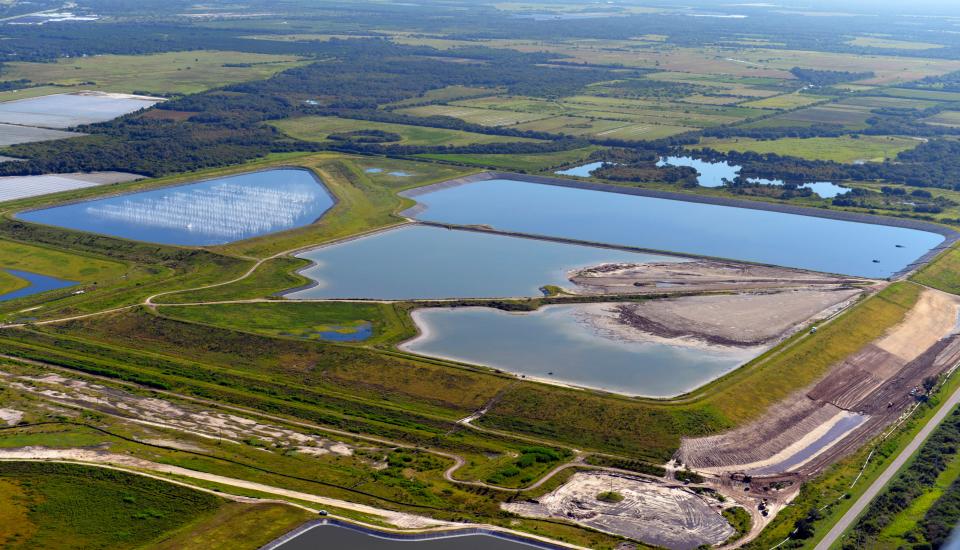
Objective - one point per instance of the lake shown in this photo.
(335, 537)
(210, 212)
(791, 240)
(37, 284)
(712, 174)
(582, 171)
(418, 261)
(556, 343)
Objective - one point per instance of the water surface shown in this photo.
(37, 284)
(841, 428)
(206, 213)
(419, 261)
(791, 240)
(713, 174)
(557, 343)
(333, 537)
(583, 171)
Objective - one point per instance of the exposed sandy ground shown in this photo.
(748, 319)
(406, 521)
(671, 517)
(697, 275)
(877, 381)
(11, 416)
(165, 414)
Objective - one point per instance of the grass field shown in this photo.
(47, 261)
(891, 44)
(784, 102)
(485, 117)
(166, 73)
(943, 273)
(945, 118)
(301, 320)
(235, 524)
(93, 507)
(838, 149)
(9, 283)
(318, 128)
(524, 163)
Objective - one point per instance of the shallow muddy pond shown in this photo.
(790, 240)
(421, 261)
(560, 344)
(206, 213)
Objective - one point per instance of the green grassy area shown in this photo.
(894, 535)
(943, 273)
(69, 506)
(9, 283)
(236, 525)
(57, 263)
(891, 44)
(164, 73)
(520, 162)
(302, 320)
(317, 128)
(786, 101)
(838, 149)
(740, 520)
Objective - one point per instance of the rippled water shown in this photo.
(211, 212)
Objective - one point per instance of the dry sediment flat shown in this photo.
(876, 381)
(695, 276)
(651, 512)
(748, 319)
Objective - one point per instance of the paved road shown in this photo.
(858, 507)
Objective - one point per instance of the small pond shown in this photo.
(582, 171)
(712, 174)
(792, 240)
(37, 284)
(211, 212)
(557, 343)
(419, 261)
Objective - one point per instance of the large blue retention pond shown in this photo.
(205, 213)
(427, 262)
(791, 240)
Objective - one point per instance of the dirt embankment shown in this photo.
(879, 382)
(696, 276)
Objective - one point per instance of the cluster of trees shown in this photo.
(648, 173)
(935, 163)
(828, 78)
(932, 459)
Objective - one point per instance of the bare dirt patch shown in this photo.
(10, 416)
(749, 319)
(695, 276)
(673, 517)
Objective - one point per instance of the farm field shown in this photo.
(527, 163)
(840, 149)
(167, 73)
(318, 128)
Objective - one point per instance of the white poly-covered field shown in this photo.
(21, 187)
(73, 109)
(12, 134)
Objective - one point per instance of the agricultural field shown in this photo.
(161, 74)
(518, 162)
(319, 128)
(840, 149)
(484, 117)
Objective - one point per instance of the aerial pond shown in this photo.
(430, 262)
(36, 284)
(211, 212)
(558, 343)
(334, 536)
(712, 174)
(790, 240)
